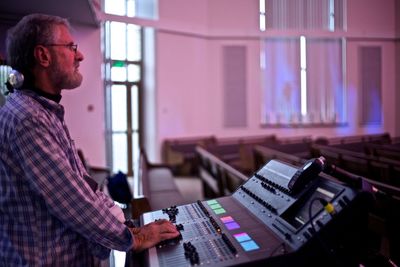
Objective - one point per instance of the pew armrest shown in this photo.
(139, 206)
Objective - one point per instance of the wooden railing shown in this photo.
(218, 178)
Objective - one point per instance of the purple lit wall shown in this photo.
(181, 76)
(189, 95)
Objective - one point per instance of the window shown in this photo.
(303, 77)
(4, 71)
(147, 9)
(302, 15)
(303, 81)
(122, 83)
(262, 15)
(123, 78)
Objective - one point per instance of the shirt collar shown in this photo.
(51, 105)
(55, 98)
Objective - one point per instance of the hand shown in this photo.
(153, 233)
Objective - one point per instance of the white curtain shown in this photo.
(282, 82)
(281, 77)
(325, 99)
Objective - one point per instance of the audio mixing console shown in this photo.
(266, 221)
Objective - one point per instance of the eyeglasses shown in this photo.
(73, 47)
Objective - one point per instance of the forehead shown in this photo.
(62, 34)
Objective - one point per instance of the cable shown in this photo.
(331, 210)
(328, 206)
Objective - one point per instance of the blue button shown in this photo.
(242, 237)
(249, 245)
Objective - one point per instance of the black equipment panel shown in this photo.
(263, 221)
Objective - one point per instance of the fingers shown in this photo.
(166, 236)
(166, 227)
(153, 233)
(168, 232)
(161, 221)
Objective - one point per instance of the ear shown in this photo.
(42, 55)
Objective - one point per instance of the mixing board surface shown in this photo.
(262, 221)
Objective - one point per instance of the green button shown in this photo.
(211, 202)
(219, 211)
(215, 206)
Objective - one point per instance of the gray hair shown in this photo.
(21, 40)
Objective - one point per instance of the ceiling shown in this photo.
(77, 11)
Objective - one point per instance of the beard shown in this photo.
(65, 78)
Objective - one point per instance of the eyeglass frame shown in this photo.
(73, 47)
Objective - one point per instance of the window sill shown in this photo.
(304, 125)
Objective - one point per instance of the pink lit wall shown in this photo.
(189, 67)
(84, 106)
(190, 36)
(371, 18)
(183, 86)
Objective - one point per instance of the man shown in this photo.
(51, 213)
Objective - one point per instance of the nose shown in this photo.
(79, 56)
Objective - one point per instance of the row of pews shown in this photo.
(180, 153)
(376, 157)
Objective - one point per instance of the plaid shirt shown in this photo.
(49, 214)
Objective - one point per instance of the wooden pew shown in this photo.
(264, 154)
(97, 173)
(382, 138)
(180, 153)
(358, 165)
(156, 187)
(238, 152)
(391, 151)
(300, 149)
(370, 166)
(218, 178)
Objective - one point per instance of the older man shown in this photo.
(51, 213)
